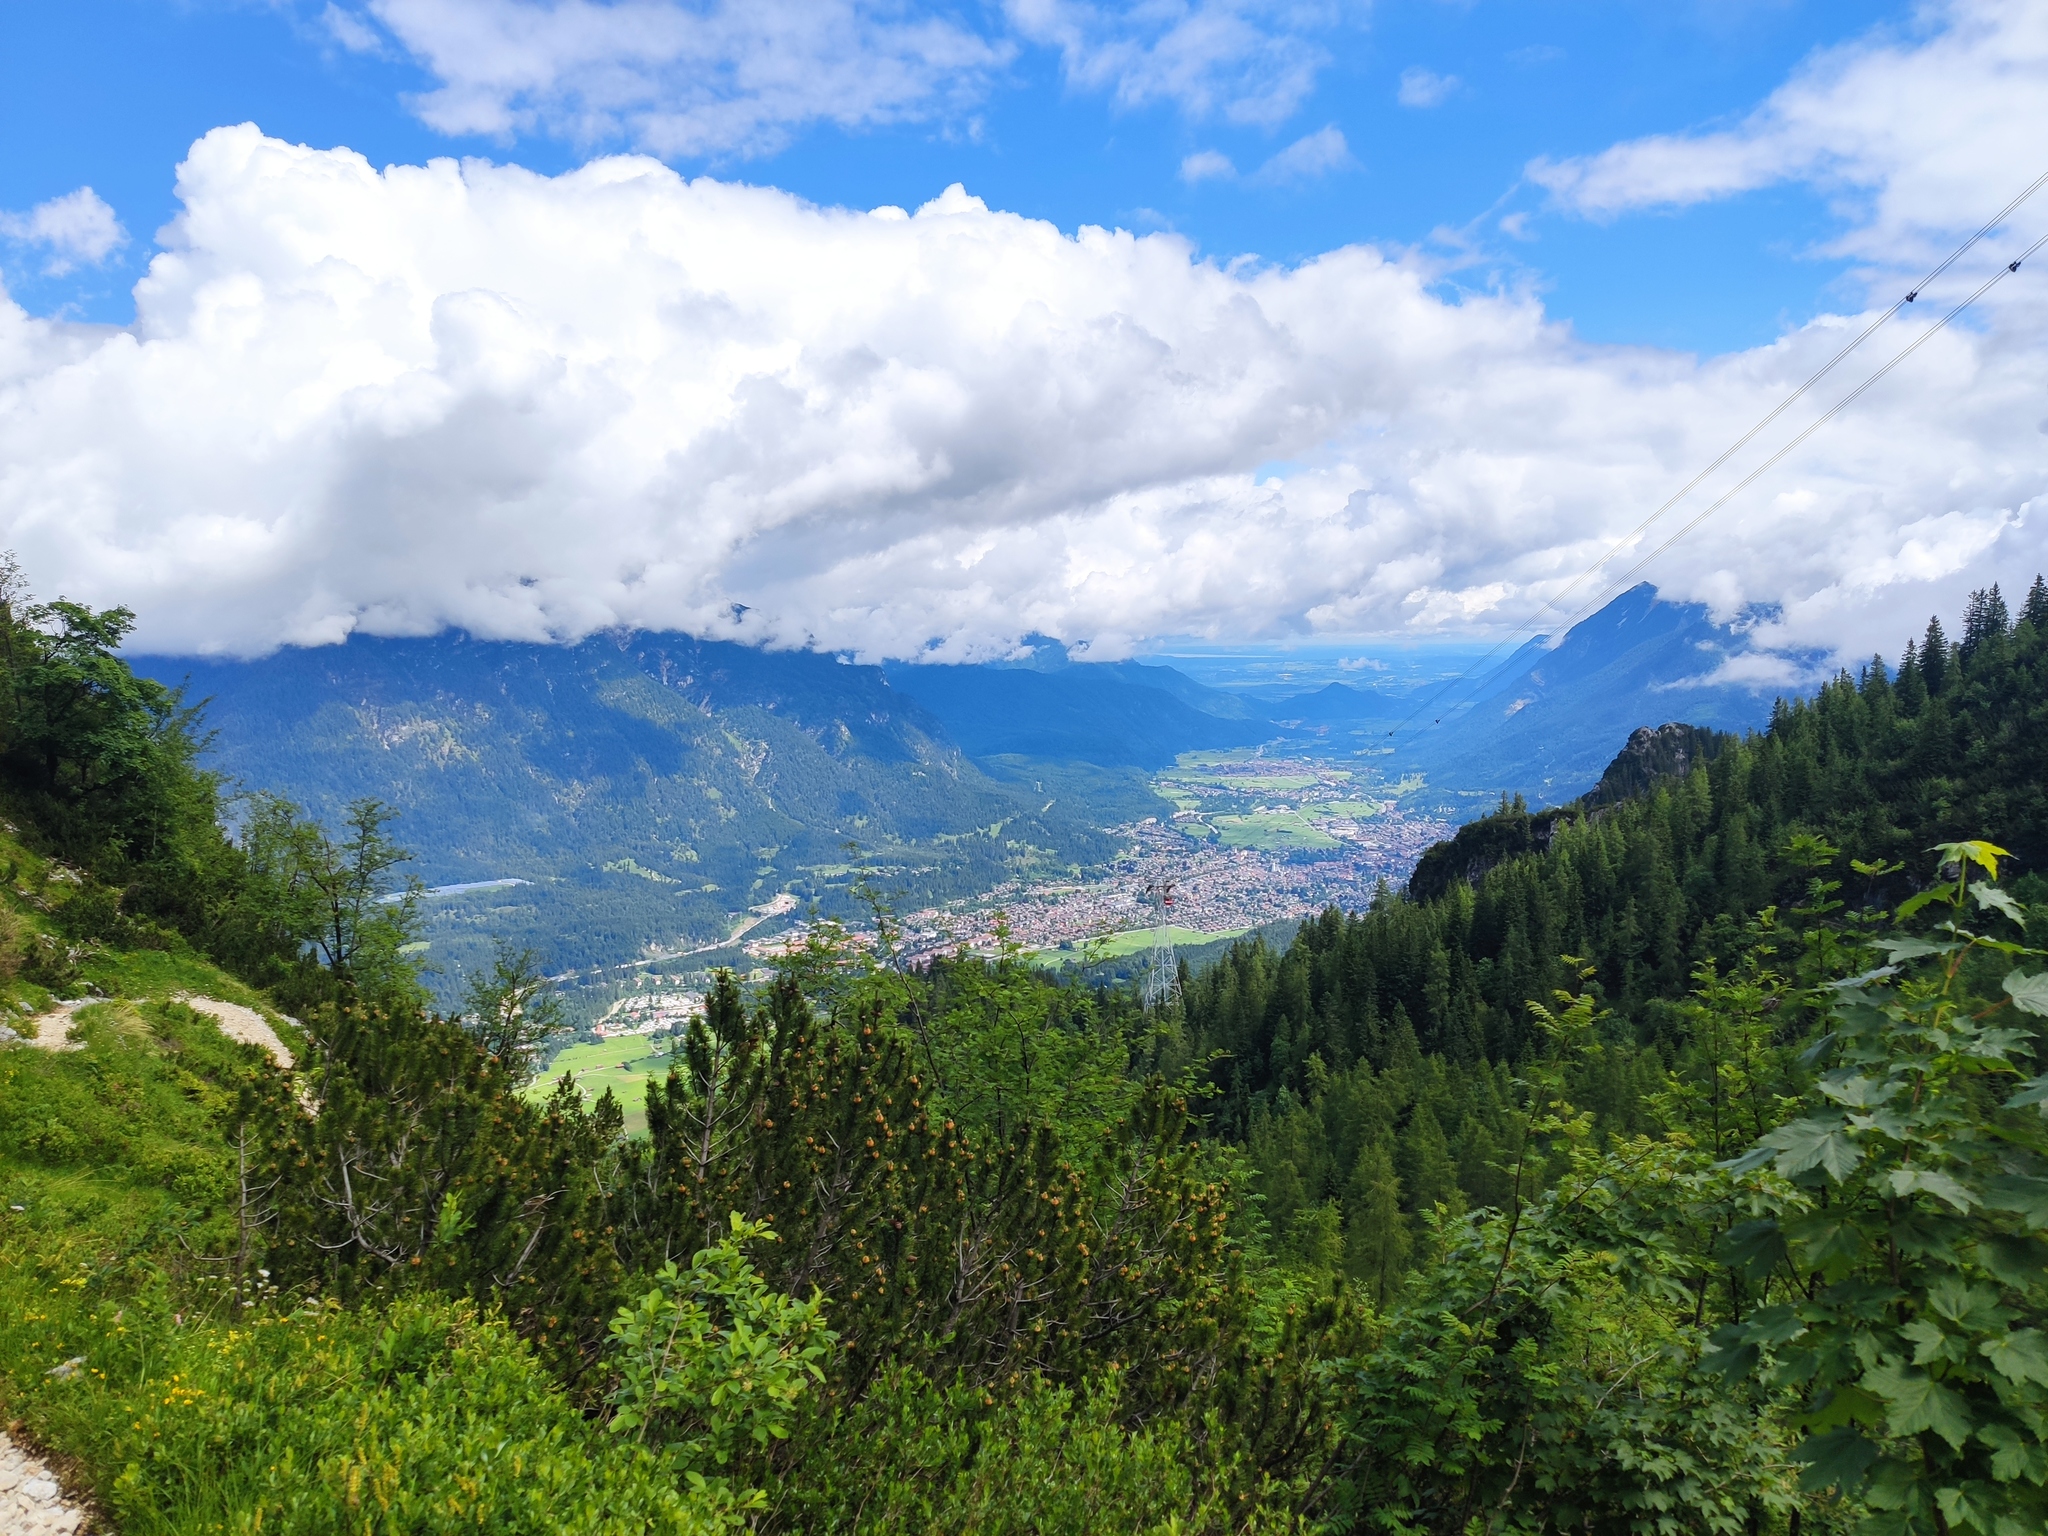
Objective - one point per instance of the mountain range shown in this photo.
(647, 790)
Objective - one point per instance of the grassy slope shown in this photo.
(185, 1413)
(623, 1065)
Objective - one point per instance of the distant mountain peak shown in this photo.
(1544, 722)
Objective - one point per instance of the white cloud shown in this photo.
(1206, 165)
(716, 78)
(735, 78)
(1916, 133)
(468, 394)
(1250, 61)
(1424, 88)
(1315, 154)
(350, 30)
(77, 228)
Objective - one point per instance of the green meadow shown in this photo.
(1136, 941)
(623, 1065)
(1273, 831)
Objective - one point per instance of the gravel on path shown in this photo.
(31, 1503)
(53, 1028)
(243, 1024)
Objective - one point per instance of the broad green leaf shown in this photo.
(1815, 1143)
(1957, 1509)
(2028, 1197)
(1773, 1325)
(1907, 908)
(1729, 1354)
(1930, 1344)
(2028, 992)
(1916, 1401)
(2014, 1261)
(1984, 855)
(1912, 949)
(1751, 1160)
(2021, 1355)
(1847, 1405)
(1973, 1306)
(2015, 1455)
(1830, 1241)
(1992, 897)
(1926, 1234)
(2032, 1092)
(1906, 1181)
(1851, 1088)
(1754, 1248)
(1999, 1044)
(1837, 1459)
(1813, 1054)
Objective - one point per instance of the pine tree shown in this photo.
(1912, 682)
(2036, 610)
(1984, 619)
(1424, 1162)
(1376, 1243)
(1934, 656)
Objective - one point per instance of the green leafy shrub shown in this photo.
(1906, 1275)
(1032, 1459)
(413, 1421)
(711, 1360)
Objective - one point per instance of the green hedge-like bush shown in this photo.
(415, 1420)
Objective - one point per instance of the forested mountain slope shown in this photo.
(647, 787)
(1402, 1027)
(1544, 722)
(1113, 714)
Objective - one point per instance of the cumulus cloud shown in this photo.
(725, 77)
(1250, 61)
(1424, 87)
(465, 394)
(75, 229)
(1916, 132)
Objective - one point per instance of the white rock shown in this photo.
(31, 1502)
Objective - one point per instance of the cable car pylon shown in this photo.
(1162, 977)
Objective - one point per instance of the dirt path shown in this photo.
(243, 1024)
(53, 1028)
(31, 1503)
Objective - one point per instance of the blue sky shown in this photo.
(111, 93)
(1419, 309)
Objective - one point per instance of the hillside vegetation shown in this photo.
(1754, 1246)
(642, 788)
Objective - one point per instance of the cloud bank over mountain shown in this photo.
(467, 394)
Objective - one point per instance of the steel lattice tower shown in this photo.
(1162, 978)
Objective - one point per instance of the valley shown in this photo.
(1251, 839)
(649, 804)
